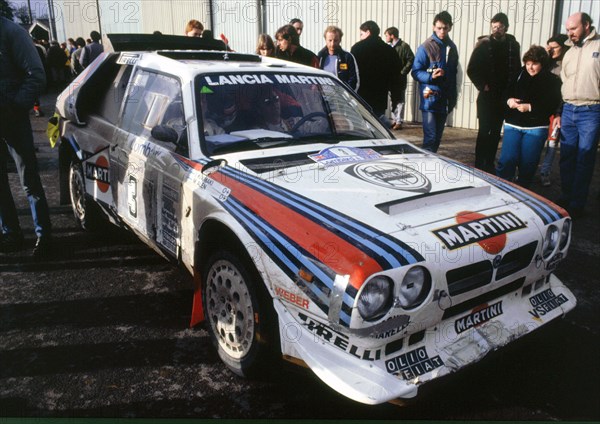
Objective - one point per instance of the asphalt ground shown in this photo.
(101, 330)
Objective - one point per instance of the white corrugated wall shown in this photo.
(531, 22)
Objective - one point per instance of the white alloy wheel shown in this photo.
(230, 309)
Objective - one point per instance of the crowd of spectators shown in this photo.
(63, 62)
(521, 98)
(549, 96)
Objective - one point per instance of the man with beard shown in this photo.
(495, 61)
(580, 117)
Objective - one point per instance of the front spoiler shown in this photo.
(445, 348)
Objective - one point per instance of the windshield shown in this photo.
(246, 111)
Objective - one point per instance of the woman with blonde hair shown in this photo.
(265, 45)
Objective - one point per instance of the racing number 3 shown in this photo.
(132, 196)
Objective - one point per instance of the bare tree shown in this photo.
(23, 16)
(6, 10)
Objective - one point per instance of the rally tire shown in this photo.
(238, 313)
(85, 211)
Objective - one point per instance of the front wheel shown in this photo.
(238, 312)
(85, 211)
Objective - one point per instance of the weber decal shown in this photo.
(291, 297)
(413, 364)
(391, 175)
(478, 317)
(487, 231)
(545, 302)
(339, 340)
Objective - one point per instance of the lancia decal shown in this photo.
(391, 175)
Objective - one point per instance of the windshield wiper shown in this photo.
(329, 138)
(251, 144)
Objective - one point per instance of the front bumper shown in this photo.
(390, 373)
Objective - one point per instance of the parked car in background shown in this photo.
(312, 233)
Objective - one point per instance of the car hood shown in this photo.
(395, 192)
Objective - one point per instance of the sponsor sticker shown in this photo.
(168, 222)
(98, 171)
(291, 297)
(479, 315)
(251, 79)
(554, 261)
(413, 364)
(545, 302)
(340, 155)
(339, 340)
(216, 189)
(128, 58)
(489, 232)
(391, 175)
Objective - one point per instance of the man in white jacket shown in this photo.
(580, 117)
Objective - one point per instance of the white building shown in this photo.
(531, 22)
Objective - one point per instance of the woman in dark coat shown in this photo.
(531, 99)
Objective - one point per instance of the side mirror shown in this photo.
(164, 133)
(213, 165)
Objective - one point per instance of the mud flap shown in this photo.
(197, 308)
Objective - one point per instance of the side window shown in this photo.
(111, 103)
(153, 99)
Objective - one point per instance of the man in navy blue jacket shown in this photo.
(339, 62)
(435, 67)
(22, 79)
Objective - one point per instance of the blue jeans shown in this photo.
(15, 129)
(579, 135)
(546, 167)
(521, 148)
(433, 128)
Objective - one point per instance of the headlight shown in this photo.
(415, 287)
(565, 233)
(550, 242)
(376, 298)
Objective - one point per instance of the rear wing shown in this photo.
(153, 42)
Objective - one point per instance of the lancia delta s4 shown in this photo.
(311, 233)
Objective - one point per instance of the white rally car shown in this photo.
(309, 229)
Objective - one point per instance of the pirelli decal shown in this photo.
(338, 339)
(479, 229)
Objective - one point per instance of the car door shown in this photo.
(93, 103)
(149, 173)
